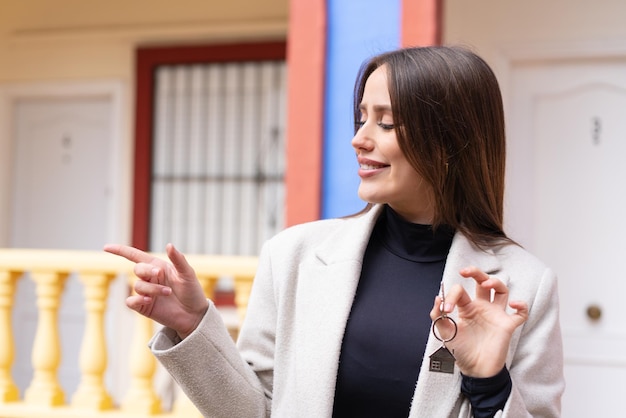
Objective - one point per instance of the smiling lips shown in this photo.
(368, 167)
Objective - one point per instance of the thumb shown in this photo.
(521, 314)
(180, 262)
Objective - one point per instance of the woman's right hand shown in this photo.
(167, 292)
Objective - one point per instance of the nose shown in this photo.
(361, 140)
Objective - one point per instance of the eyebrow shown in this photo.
(377, 108)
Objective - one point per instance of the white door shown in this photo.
(566, 203)
(60, 201)
(61, 173)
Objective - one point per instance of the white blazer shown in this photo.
(286, 359)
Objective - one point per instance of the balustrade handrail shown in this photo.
(96, 270)
(18, 259)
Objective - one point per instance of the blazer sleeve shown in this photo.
(220, 379)
(536, 367)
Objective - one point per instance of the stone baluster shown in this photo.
(243, 287)
(183, 407)
(208, 285)
(141, 397)
(45, 389)
(91, 393)
(8, 390)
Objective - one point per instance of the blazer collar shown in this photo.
(349, 241)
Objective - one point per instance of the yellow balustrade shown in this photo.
(8, 390)
(243, 288)
(91, 393)
(183, 407)
(49, 269)
(46, 356)
(141, 397)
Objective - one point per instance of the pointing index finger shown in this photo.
(130, 253)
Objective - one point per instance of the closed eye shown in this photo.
(385, 126)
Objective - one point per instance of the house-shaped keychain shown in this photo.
(442, 361)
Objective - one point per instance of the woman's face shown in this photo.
(386, 175)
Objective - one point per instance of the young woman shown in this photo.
(340, 319)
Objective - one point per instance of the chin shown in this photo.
(370, 198)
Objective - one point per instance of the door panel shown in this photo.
(566, 204)
(61, 172)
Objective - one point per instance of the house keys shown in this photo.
(442, 360)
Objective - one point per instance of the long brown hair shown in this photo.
(449, 118)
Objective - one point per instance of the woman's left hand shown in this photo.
(484, 327)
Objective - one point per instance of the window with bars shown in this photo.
(218, 157)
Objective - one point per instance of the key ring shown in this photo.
(444, 316)
(444, 340)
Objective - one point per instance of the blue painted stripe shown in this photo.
(357, 29)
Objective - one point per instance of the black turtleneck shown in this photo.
(389, 324)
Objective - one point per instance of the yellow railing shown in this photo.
(96, 270)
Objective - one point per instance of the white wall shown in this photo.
(495, 25)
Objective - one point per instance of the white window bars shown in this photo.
(218, 156)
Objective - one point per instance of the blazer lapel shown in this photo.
(437, 395)
(326, 289)
(324, 297)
